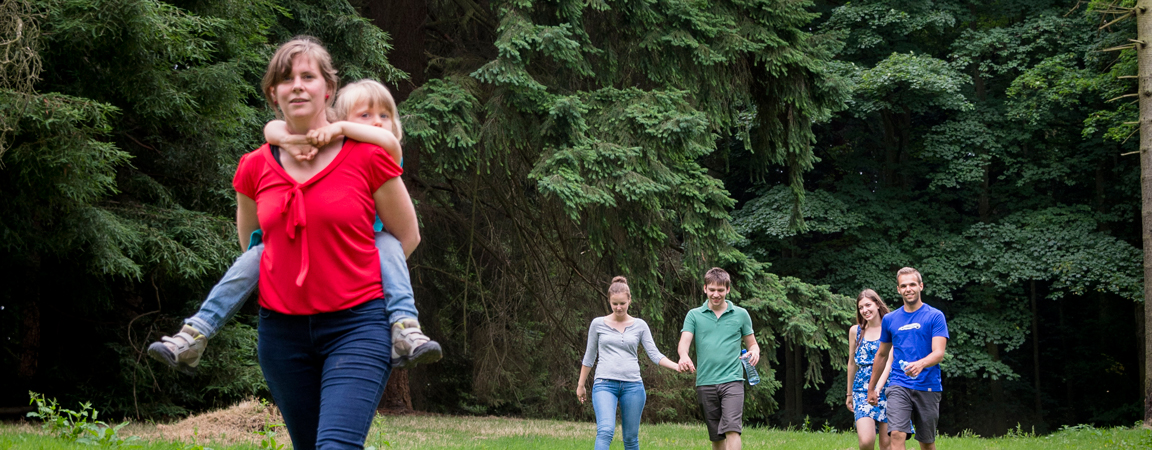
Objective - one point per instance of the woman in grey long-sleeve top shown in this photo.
(612, 345)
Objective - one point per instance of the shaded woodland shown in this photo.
(810, 148)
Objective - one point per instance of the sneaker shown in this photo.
(181, 351)
(410, 346)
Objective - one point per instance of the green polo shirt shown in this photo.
(718, 342)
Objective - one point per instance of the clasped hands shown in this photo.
(303, 147)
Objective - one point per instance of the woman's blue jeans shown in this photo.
(241, 279)
(630, 395)
(327, 372)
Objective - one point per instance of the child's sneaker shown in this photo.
(181, 351)
(410, 346)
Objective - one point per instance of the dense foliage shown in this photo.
(810, 148)
(115, 213)
(981, 146)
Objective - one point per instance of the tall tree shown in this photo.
(1144, 56)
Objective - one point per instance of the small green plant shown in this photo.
(195, 445)
(1019, 432)
(268, 431)
(78, 426)
(378, 424)
(968, 433)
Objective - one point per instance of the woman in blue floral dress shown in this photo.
(863, 341)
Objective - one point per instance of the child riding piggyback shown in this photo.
(368, 114)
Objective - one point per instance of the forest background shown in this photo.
(809, 147)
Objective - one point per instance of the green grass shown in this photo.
(443, 432)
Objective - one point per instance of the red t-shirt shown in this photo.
(319, 250)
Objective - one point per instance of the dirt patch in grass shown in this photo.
(235, 424)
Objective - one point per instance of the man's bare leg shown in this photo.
(898, 439)
(732, 441)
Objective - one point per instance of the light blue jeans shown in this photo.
(241, 279)
(630, 395)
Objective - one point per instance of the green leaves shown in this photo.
(912, 83)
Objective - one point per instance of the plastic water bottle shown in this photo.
(904, 364)
(749, 370)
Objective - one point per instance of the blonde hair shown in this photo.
(371, 93)
(280, 67)
(910, 271)
(619, 286)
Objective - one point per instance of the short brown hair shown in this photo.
(619, 286)
(717, 275)
(369, 92)
(909, 270)
(280, 67)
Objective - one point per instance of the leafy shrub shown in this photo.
(79, 426)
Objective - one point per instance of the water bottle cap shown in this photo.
(743, 351)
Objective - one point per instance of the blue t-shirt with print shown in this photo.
(910, 334)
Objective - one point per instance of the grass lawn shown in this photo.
(445, 432)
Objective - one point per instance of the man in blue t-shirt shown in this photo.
(915, 335)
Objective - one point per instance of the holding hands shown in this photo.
(686, 365)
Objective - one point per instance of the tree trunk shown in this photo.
(404, 21)
(798, 375)
(30, 341)
(999, 422)
(30, 336)
(1036, 353)
(1138, 316)
(396, 397)
(790, 382)
(891, 147)
(1068, 394)
(1144, 58)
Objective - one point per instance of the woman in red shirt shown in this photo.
(324, 339)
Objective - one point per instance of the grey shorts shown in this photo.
(907, 407)
(723, 406)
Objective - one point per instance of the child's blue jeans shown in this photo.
(630, 395)
(327, 372)
(244, 275)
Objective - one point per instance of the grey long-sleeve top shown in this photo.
(615, 353)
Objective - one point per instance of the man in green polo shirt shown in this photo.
(717, 327)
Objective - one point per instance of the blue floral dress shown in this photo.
(865, 354)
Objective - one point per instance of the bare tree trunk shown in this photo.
(1036, 353)
(404, 21)
(396, 396)
(790, 381)
(30, 337)
(1144, 58)
(798, 386)
(30, 341)
(999, 421)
